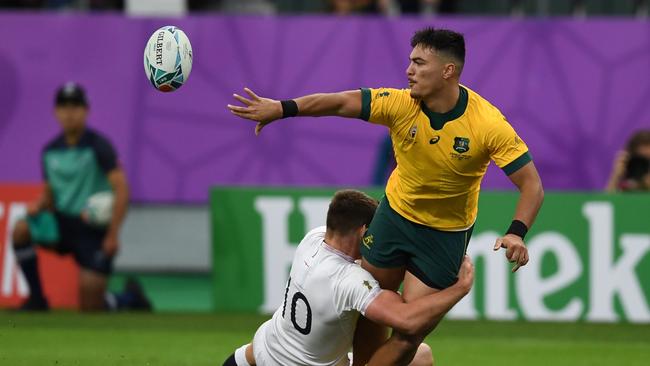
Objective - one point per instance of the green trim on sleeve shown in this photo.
(365, 104)
(518, 163)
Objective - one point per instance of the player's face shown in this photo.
(71, 117)
(425, 72)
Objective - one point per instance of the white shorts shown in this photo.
(259, 347)
(262, 358)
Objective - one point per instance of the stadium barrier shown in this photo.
(589, 254)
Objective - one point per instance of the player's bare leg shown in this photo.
(25, 252)
(92, 288)
(368, 336)
(250, 356)
(400, 349)
(20, 235)
(423, 357)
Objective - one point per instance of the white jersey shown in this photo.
(325, 293)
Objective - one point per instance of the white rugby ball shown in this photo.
(168, 58)
(99, 208)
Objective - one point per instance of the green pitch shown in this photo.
(197, 339)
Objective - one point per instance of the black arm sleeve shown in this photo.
(106, 156)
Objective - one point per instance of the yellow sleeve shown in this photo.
(383, 106)
(508, 151)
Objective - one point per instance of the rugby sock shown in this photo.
(119, 301)
(26, 256)
(230, 361)
(110, 301)
(240, 356)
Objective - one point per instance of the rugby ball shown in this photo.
(99, 208)
(168, 58)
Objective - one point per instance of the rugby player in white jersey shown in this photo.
(326, 291)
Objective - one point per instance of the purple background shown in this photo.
(574, 89)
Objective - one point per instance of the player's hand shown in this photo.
(261, 110)
(466, 274)
(516, 251)
(110, 245)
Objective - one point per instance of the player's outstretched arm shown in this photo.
(417, 317)
(265, 110)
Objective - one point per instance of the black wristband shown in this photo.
(518, 228)
(289, 108)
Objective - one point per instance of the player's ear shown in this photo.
(449, 70)
(363, 229)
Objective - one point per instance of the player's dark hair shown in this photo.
(638, 139)
(349, 210)
(442, 40)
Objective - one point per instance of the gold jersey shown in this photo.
(442, 157)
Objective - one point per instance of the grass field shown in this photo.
(202, 339)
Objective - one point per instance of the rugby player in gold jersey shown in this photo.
(444, 135)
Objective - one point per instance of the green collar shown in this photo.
(438, 120)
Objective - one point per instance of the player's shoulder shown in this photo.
(479, 103)
(98, 142)
(57, 142)
(312, 239)
(386, 93)
(484, 111)
(352, 272)
(317, 233)
(96, 138)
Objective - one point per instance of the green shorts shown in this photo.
(433, 256)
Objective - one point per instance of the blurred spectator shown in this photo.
(344, 7)
(202, 5)
(17, 4)
(64, 4)
(428, 6)
(248, 6)
(631, 171)
(301, 6)
(86, 4)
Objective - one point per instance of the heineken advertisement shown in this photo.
(589, 254)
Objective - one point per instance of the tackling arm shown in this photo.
(417, 317)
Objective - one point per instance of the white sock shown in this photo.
(240, 356)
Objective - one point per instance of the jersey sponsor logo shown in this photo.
(461, 144)
(368, 285)
(367, 241)
(434, 140)
(383, 94)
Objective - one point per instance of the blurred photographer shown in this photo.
(631, 171)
